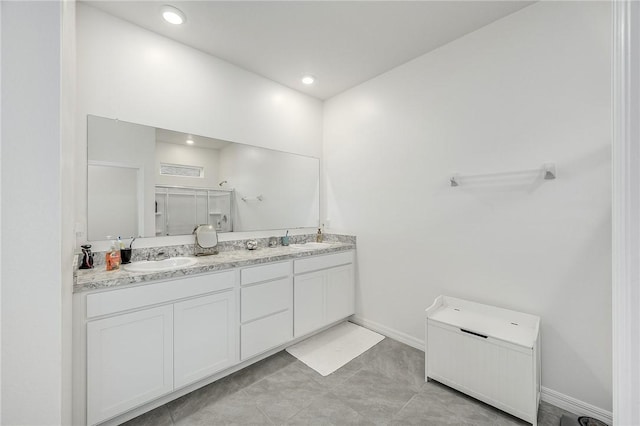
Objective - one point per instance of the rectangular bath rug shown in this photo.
(327, 351)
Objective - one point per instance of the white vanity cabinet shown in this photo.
(205, 339)
(340, 293)
(139, 346)
(323, 291)
(137, 353)
(266, 309)
(130, 361)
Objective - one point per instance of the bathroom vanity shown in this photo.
(142, 339)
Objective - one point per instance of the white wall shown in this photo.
(114, 213)
(124, 145)
(288, 185)
(527, 89)
(33, 278)
(135, 75)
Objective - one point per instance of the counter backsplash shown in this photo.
(223, 246)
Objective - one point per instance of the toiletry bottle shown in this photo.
(121, 244)
(319, 236)
(107, 256)
(113, 257)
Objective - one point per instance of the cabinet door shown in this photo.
(309, 302)
(205, 336)
(340, 293)
(129, 361)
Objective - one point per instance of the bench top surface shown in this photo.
(499, 323)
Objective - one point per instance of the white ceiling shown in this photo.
(342, 43)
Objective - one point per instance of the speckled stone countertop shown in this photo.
(99, 278)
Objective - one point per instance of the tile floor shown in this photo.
(383, 386)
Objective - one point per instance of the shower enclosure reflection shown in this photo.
(178, 208)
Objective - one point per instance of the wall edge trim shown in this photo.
(575, 406)
(388, 332)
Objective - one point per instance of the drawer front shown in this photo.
(266, 333)
(322, 262)
(267, 298)
(482, 368)
(268, 272)
(110, 302)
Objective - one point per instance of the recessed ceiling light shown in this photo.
(190, 141)
(173, 15)
(308, 79)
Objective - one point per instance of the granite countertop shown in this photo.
(99, 278)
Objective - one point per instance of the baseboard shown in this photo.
(575, 406)
(556, 398)
(389, 332)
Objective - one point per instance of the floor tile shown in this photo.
(334, 379)
(200, 398)
(397, 361)
(383, 386)
(263, 368)
(423, 409)
(376, 397)
(283, 394)
(549, 415)
(328, 410)
(234, 409)
(466, 410)
(157, 417)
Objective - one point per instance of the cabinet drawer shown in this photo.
(268, 272)
(118, 300)
(266, 333)
(263, 299)
(322, 262)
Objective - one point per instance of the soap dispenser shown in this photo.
(319, 236)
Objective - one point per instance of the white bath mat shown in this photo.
(333, 348)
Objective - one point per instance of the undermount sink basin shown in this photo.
(160, 265)
(310, 245)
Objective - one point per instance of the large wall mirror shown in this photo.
(148, 182)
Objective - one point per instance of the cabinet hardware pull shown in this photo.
(475, 334)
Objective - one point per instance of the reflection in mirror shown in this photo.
(144, 181)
